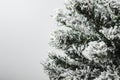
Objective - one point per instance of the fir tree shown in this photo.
(89, 36)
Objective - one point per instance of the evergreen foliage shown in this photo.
(91, 44)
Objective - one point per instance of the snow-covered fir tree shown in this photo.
(91, 42)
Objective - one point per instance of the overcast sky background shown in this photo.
(25, 27)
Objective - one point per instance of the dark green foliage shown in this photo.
(91, 44)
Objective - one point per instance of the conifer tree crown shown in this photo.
(91, 43)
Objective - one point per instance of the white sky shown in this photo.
(25, 26)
